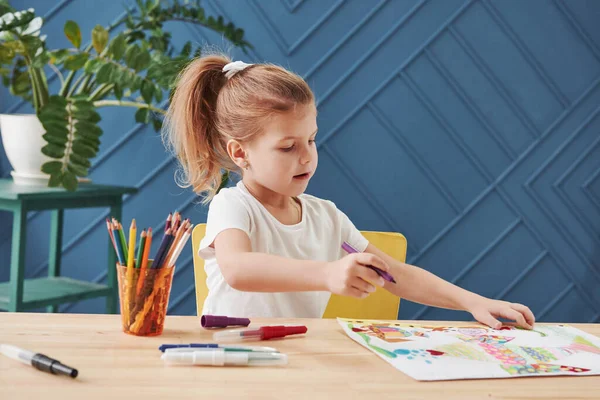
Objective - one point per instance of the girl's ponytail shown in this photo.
(190, 128)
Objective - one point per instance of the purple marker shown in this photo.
(383, 274)
(218, 321)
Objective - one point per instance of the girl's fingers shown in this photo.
(370, 276)
(362, 285)
(529, 317)
(372, 259)
(489, 320)
(354, 292)
(515, 316)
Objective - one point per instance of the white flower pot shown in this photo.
(23, 142)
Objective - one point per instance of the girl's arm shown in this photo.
(258, 272)
(416, 284)
(250, 271)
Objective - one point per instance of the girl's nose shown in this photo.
(305, 158)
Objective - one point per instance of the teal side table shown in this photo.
(21, 294)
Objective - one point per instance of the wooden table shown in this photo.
(326, 364)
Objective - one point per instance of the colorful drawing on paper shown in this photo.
(431, 353)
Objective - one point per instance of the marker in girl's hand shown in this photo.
(381, 273)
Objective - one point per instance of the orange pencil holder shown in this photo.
(144, 298)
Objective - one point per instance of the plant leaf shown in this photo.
(137, 82)
(87, 128)
(69, 181)
(103, 75)
(131, 54)
(55, 127)
(53, 150)
(6, 54)
(76, 61)
(57, 101)
(78, 170)
(55, 179)
(55, 139)
(73, 33)
(187, 49)
(79, 160)
(147, 91)
(92, 66)
(58, 56)
(87, 115)
(90, 141)
(157, 124)
(20, 84)
(142, 61)
(83, 149)
(99, 38)
(117, 47)
(118, 92)
(52, 167)
(142, 116)
(158, 94)
(81, 137)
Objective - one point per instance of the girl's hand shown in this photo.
(349, 276)
(486, 310)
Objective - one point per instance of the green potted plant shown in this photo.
(131, 68)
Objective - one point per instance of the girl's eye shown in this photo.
(287, 149)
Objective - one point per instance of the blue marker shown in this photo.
(192, 346)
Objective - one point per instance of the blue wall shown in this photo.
(471, 127)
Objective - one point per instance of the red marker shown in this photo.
(262, 333)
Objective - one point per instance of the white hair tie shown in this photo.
(234, 67)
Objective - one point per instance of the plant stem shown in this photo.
(89, 85)
(104, 103)
(36, 98)
(69, 145)
(65, 87)
(101, 91)
(77, 82)
(84, 84)
(41, 76)
(37, 86)
(58, 73)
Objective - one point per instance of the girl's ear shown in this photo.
(237, 153)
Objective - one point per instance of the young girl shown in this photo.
(270, 249)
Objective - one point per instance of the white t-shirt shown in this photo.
(318, 236)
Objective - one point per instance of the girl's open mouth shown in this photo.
(302, 176)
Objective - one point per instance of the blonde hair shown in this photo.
(207, 110)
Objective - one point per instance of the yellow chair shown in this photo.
(379, 305)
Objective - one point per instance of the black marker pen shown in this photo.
(37, 360)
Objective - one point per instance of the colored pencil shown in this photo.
(123, 241)
(119, 244)
(129, 292)
(147, 246)
(162, 249)
(112, 239)
(179, 247)
(178, 236)
(131, 248)
(176, 222)
(168, 223)
(145, 258)
(138, 260)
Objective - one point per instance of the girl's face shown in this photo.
(284, 157)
